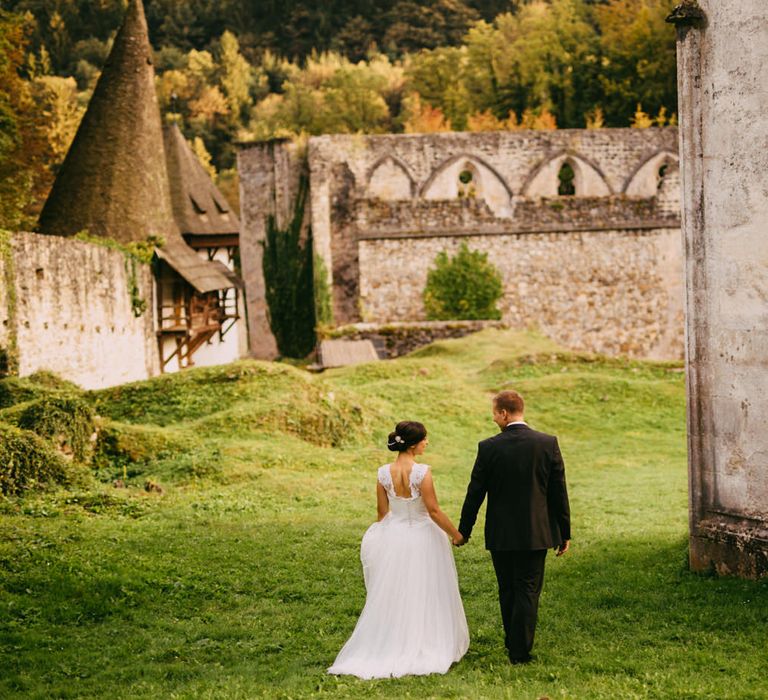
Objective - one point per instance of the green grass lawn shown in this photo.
(243, 580)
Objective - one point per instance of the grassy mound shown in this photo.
(66, 421)
(122, 444)
(179, 428)
(16, 390)
(131, 452)
(28, 461)
(243, 397)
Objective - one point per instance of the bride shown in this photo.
(413, 620)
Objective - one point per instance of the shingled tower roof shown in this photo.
(199, 208)
(114, 181)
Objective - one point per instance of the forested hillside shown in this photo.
(238, 69)
(289, 27)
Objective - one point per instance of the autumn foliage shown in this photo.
(225, 73)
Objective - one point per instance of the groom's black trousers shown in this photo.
(520, 575)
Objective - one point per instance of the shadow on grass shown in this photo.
(269, 607)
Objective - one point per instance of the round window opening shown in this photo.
(465, 176)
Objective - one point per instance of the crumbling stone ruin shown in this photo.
(582, 224)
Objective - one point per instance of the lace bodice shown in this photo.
(418, 472)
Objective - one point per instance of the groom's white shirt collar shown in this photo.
(516, 422)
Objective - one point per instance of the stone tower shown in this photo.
(113, 181)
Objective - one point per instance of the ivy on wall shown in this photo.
(323, 299)
(137, 252)
(290, 281)
(9, 359)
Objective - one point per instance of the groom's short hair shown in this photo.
(509, 401)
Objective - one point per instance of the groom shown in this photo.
(522, 472)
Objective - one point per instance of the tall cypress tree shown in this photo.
(287, 265)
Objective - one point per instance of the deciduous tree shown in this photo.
(638, 58)
(23, 172)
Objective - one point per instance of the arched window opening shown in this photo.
(468, 182)
(566, 180)
(661, 175)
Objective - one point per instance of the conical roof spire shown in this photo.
(114, 181)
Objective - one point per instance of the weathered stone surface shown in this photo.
(344, 352)
(383, 206)
(74, 315)
(722, 64)
(266, 180)
(396, 339)
(615, 292)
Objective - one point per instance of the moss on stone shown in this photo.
(135, 252)
(323, 303)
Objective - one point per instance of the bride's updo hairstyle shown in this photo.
(407, 434)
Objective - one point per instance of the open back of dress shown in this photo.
(413, 621)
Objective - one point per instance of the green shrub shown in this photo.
(66, 421)
(464, 287)
(26, 461)
(11, 414)
(5, 362)
(14, 391)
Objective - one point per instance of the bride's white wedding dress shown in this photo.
(413, 621)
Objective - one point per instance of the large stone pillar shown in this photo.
(723, 104)
(269, 178)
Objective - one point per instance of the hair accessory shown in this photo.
(398, 439)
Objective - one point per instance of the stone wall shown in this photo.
(269, 175)
(73, 312)
(381, 208)
(396, 339)
(615, 292)
(722, 64)
(466, 184)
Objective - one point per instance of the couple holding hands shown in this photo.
(413, 622)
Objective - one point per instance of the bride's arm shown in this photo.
(429, 497)
(382, 501)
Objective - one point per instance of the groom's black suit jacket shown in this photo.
(522, 472)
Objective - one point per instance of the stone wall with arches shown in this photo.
(601, 206)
